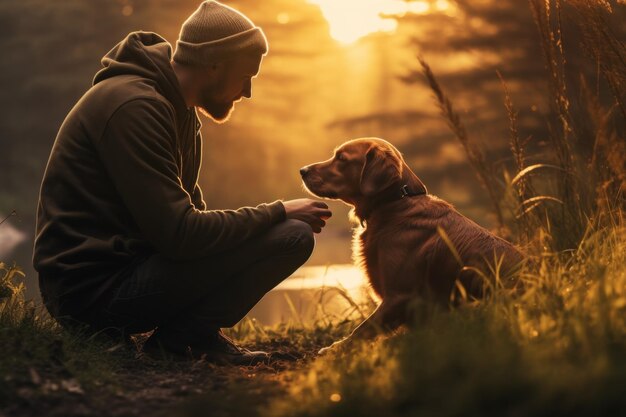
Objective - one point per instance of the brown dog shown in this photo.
(412, 245)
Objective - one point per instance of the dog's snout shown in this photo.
(304, 171)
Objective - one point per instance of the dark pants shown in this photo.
(194, 297)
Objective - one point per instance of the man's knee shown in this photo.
(298, 238)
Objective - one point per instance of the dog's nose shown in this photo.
(304, 171)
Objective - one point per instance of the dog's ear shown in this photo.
(381, 169)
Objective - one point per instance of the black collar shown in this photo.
(405, 192)
(393, 194)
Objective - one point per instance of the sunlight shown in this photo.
(347, 276)
(350, 20)
(311, 289)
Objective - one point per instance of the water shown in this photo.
(10, 238)
(335, 291)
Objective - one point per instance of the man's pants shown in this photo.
(195, 297)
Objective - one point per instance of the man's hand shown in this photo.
(313, 212)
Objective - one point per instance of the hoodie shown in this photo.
(121, 183)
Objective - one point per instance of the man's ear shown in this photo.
(381, 169)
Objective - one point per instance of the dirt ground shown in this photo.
(148, 387)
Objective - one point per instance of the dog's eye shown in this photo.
(340, 157)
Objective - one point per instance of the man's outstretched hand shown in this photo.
(312, 212)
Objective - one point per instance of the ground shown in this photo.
(144, 386)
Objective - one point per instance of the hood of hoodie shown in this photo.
(146, 55)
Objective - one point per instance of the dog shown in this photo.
(411, 245)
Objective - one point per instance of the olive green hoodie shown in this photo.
(121, 182)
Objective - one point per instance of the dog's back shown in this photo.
(422, 244)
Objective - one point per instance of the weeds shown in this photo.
(587, 162)
(474, 154)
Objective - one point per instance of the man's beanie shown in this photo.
(215, 32)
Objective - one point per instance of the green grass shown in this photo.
(38, 357)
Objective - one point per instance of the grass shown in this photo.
(557, 348)
(38, 357)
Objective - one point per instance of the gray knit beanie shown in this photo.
(215, 32)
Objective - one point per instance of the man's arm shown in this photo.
(137, 150)
(197, 199)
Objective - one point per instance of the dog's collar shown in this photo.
(405, 192)
(393, 194)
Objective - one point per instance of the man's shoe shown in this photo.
(159, 347)
(219, 348)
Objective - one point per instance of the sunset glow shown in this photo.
(350, 20)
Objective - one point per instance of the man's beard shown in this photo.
(219, 112)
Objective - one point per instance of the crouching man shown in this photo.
(124, 241)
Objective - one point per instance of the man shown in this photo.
(124, 242)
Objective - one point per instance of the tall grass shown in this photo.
(588, 153)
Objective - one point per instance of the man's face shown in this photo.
(228, 84)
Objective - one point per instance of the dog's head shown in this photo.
(359, 169)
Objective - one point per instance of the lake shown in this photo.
(335, 291)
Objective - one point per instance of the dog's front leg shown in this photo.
(371, 326)
(390, 314)
(367, 329)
